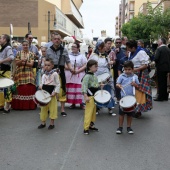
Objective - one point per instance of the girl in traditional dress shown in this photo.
(73, 80)
(24, 79)
(104, 63)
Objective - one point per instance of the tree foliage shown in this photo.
(151, 26)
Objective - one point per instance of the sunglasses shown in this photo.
(73, 47)
(30, 38)
(118, 42)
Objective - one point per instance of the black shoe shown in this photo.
(129, 130)
(1, 109)
(64, 114)
(51, 127)
(6, 111)
(137, 115)
(73, 106)
(86, 132)
(93, 129)
(41, 126)
(119, 130)
(82, 106)
(92, 124)
(156, 96)
(158, 100)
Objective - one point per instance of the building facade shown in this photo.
(44, 16)
(131, 8)
(164, 3)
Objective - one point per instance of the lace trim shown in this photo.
(20, 97)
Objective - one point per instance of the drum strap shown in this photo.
(91, 91)
(62, 72)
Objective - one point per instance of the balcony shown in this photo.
(71, 11)
(78, 3)
(65, 26)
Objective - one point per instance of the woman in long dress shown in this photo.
(24, 79)
(141, 60)
(73, 80)
(104, 63)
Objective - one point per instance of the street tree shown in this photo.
(151, 26)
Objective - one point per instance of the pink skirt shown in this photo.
(74, 93)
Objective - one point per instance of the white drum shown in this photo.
(104, 78)
(6, 82)
(128, 103)
(42, 98)
(152, 73)
(102, 97)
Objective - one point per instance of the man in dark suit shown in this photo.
(162, 60)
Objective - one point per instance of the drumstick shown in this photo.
(46, 97)
(126, 85)
(134, 86)
(123, 91)
(43, 94)
(101, 88)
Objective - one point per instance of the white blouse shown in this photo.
(53, 79)
(102, 64)
(140, 59)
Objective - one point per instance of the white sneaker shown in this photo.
(113, 114)
(97, 113)
(110, 111)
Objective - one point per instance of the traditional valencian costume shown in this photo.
(103, 67)
(144, 93)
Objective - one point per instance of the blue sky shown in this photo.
(99, 15)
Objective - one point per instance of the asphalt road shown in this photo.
(24, 147)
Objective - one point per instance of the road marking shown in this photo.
(71, 145)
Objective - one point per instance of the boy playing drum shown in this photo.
(127, 81)
(51, 84)
(89, 87)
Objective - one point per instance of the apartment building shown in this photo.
(44, 16)
(143, 7)
(164, 3)
(130, 8)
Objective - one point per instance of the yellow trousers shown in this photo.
(7, 74)
(52, 107)
(62, 98)
(90, 113)
(2, 100)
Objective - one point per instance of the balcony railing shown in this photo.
(70, 9)
(63, 23)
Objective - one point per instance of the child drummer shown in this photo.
(89, 87)
(51, 84)
(128, 77)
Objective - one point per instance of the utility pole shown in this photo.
(29, 28)
(11, 33)
(49, 38)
